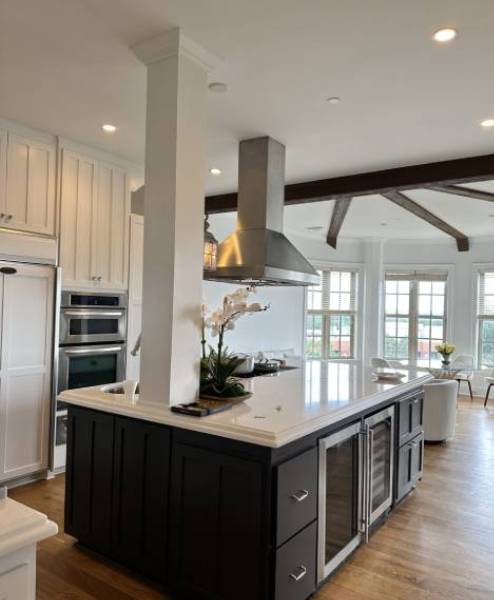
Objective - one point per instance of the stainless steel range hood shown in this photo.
(258, 252)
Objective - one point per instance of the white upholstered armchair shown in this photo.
(439, 409)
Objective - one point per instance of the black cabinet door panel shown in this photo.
(411, 418)
(410, 466)
(89, 478)
(142, 454)
(219, 543)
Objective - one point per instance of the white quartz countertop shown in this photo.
(283, 408)
(21, 526)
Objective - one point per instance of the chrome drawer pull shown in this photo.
(299, 573)
(299, 496)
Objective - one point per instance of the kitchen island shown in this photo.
(259, 502)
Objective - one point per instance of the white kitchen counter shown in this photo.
(21, 528)
(284, 407)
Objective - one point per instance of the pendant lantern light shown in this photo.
(210, 248)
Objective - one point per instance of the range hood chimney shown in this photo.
(257, 252)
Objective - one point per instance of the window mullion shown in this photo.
(413, 324)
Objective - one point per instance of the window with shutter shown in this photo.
(485, 320)
(415, 316)
(331, 315)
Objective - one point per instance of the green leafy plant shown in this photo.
(219, 380)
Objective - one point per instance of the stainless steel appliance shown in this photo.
(87, 365)
(355, 486)
(91, 349)
(257, 251)
(87, 319)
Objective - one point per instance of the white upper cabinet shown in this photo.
(111, 227)
(27, 200)
(94, 224)
(77, 195)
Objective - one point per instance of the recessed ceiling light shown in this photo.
(218, 87)
(215, 171)
(108, 128)
(487, 123)
(445, 35)
(334, 100)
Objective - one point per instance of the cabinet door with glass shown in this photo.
(415, 317)
(379, 431)
(341, 469)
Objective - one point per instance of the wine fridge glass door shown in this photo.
(340, 472)
(380, 435)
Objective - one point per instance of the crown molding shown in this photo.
(174, 43)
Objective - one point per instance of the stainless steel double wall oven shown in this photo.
(91, 349)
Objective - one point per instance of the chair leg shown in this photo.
(487, 394)
(470, 389)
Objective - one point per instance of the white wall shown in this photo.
(283, 325)
(279, 328)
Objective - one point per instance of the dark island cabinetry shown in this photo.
(219, 524)
(116, 500)
(209, 517)
(89, 476)
(410, 444)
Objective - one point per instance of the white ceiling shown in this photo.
(66, 67)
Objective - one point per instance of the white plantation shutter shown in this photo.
(331, 314)
(485, 319)
(486, 294)
(337, 290)
(416, 276)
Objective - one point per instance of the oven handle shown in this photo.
(93, 350)
(93, 313)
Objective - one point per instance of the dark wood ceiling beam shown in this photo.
(419, 211)
(455, 171)
(340, 210)
(458, 190)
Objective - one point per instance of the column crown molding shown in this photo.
(174, 43)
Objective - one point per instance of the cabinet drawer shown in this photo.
(296, 566)
(296, 494)
(410, 466)
(411, 418)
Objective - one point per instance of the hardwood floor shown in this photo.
(439, 544)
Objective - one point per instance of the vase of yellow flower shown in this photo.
(445, 350)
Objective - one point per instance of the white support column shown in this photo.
(373, 305)
(173, 216)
